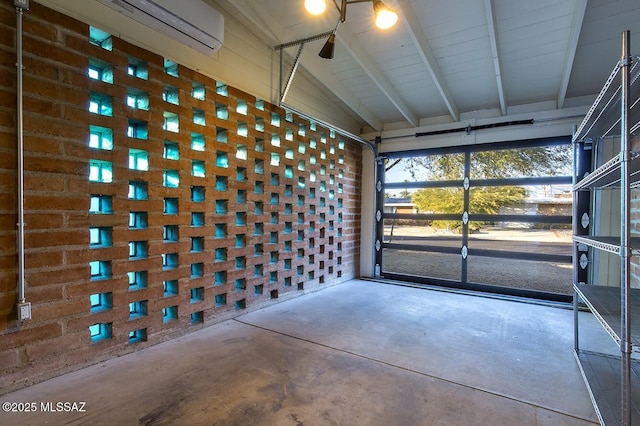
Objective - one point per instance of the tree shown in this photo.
(540, 161)
(508, 163)
(405, 192)
(486, 200)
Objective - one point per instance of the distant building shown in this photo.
(558, 205)
(399, 205)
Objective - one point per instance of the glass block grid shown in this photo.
(204, 199)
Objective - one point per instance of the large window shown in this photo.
(491, 217)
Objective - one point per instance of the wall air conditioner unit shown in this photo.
(191, 22)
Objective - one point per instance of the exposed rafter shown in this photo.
(472, 53)
(250, 10)
(373, 71)
(408, 17)
(495, 53)
(576, 26)
(311, 61)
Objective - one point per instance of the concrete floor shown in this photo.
(360, 353)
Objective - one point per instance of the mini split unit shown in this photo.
(191, 22)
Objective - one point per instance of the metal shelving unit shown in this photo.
(613, 381)
(608, 175)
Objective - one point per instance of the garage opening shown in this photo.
(493, 217)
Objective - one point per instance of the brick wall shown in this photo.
(157, 200)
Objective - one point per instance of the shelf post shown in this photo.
(625, 233)
(582, 160)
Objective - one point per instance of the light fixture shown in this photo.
(315, 7)
(385, 18)
(328, 48)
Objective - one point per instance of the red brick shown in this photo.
(55, 238)
(82, 323)
(46, 349)
(151, 58)
(8, 179)
(140, 265)
(56, 165)
(37, 87)
(29, 334)
(43, 221)
(7, 119)
(84, 290)
(53, 52)
(74, 95)
(34, 182)
(38, 144)
(7, 36)
(7, 240)
(77, 78)
(44, 294)
(83, 151)
(79, 114)
(59, 309)
(58, 276)
(52, 202)
(41, 106)
(36, 67)
(79, 43)
(58, 19)
(8, 359)
(35, 260)
(101, 220)
(121, 251)
(80, 256)
(9, 257)
(8, 140)
(38, 125)
(8, 98)
(78, 219)
(42, 28)
(8, 279)
(85, 187)
(8, 16)
(8, 321)
(8, 300)
(24, 377)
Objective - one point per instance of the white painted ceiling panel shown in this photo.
(599, 46)
(438, 60)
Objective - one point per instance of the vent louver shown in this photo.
(191, 22)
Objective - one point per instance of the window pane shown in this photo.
(551, 277)
(522, 162)
(171, 151)
(433, 265)
(519, 207)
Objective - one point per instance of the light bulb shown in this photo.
(385, 17)
(315, 7)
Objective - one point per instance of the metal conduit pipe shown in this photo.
(296, 62)
(329, 126)
(23, 308)
(282, 93)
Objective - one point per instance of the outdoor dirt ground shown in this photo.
(532, 275)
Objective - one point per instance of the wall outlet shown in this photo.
(24, 311)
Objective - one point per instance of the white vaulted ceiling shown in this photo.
(447, 59)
